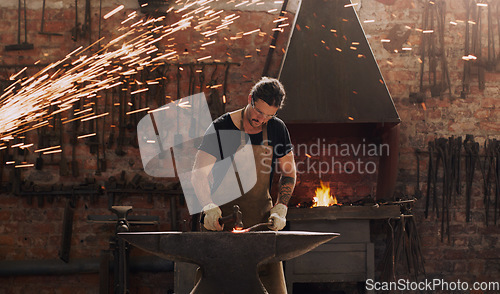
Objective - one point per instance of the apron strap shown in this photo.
(242, 143)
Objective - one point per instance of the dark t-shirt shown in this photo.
(277, 135)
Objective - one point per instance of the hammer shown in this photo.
(236, 216)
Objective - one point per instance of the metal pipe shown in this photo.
(79, 266)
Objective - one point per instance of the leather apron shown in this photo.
(255, 205)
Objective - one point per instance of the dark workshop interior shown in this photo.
(392, 108)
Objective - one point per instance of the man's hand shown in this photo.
(212, 215)
(278, 217)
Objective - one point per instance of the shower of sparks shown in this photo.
(31, 102)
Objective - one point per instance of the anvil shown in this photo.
(228, 260)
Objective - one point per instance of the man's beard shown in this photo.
(255, 123)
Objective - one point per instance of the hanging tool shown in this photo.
(418, 192)
(25, 45)
(458, 165)
(491, 65)
(442, 146)
(419, 97)
(435, 203)
(162, 87)
(433, 53)
(437, 52)
(472, 155)
(498, 26)
(86, 30)
(224, 87)
(441, 22)
(215, 102)
(97, 139)
(487, 166)
(467, 66)
(41, 144)
(430, 176)
(403, 248)
(76, 30)
(478, 50)
(133, 118)
(111, 139)
(63, 163)
(67, 231)
(432, 56)
(75, 171)
(42, 25)
(497, 178)
(121, 122)
(103, 134)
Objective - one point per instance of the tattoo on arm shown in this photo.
(287, 184)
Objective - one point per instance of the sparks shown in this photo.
(109, 14)
(86, 136)
(31, 102)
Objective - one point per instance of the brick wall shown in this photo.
(471, 255)
(33, 232)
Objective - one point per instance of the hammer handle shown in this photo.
(222, 220)
(226, 219)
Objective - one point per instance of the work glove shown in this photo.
(212, 214)
(278, 217)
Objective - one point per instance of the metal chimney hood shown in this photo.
(329, 71)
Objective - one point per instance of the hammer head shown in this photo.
(236, 217)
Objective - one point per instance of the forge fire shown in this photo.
(323, 197)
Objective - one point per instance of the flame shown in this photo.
(323, 197)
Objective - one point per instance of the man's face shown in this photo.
(260, 112)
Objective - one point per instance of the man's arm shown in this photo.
(287, 184)
(199, 178)
(287, 179)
